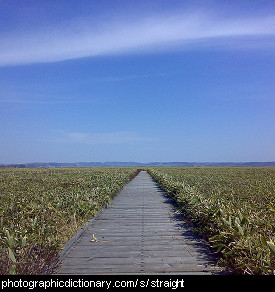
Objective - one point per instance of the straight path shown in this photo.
(139, 233)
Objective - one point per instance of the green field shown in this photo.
(40, 209)
(231, 207)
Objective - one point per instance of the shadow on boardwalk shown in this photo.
(190, 237)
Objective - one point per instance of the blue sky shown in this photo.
(137, 81)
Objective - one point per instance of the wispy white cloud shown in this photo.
(157, 32)
(33, 96)
(45, 101)
(120, 137)
(120, 78)
(31, 101)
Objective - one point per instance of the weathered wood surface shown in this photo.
(139, 233)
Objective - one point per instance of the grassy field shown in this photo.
(40, 209)
(232, 207)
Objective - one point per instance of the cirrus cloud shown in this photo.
(151, 33)
(119, 137)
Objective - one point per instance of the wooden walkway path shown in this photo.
(139, 233)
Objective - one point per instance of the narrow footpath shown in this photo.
(139, 233)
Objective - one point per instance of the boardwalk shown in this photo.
(138, 234)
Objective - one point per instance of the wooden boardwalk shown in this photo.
(139, 233)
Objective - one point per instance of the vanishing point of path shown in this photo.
(139, 233)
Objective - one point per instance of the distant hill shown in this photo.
(136, 164)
